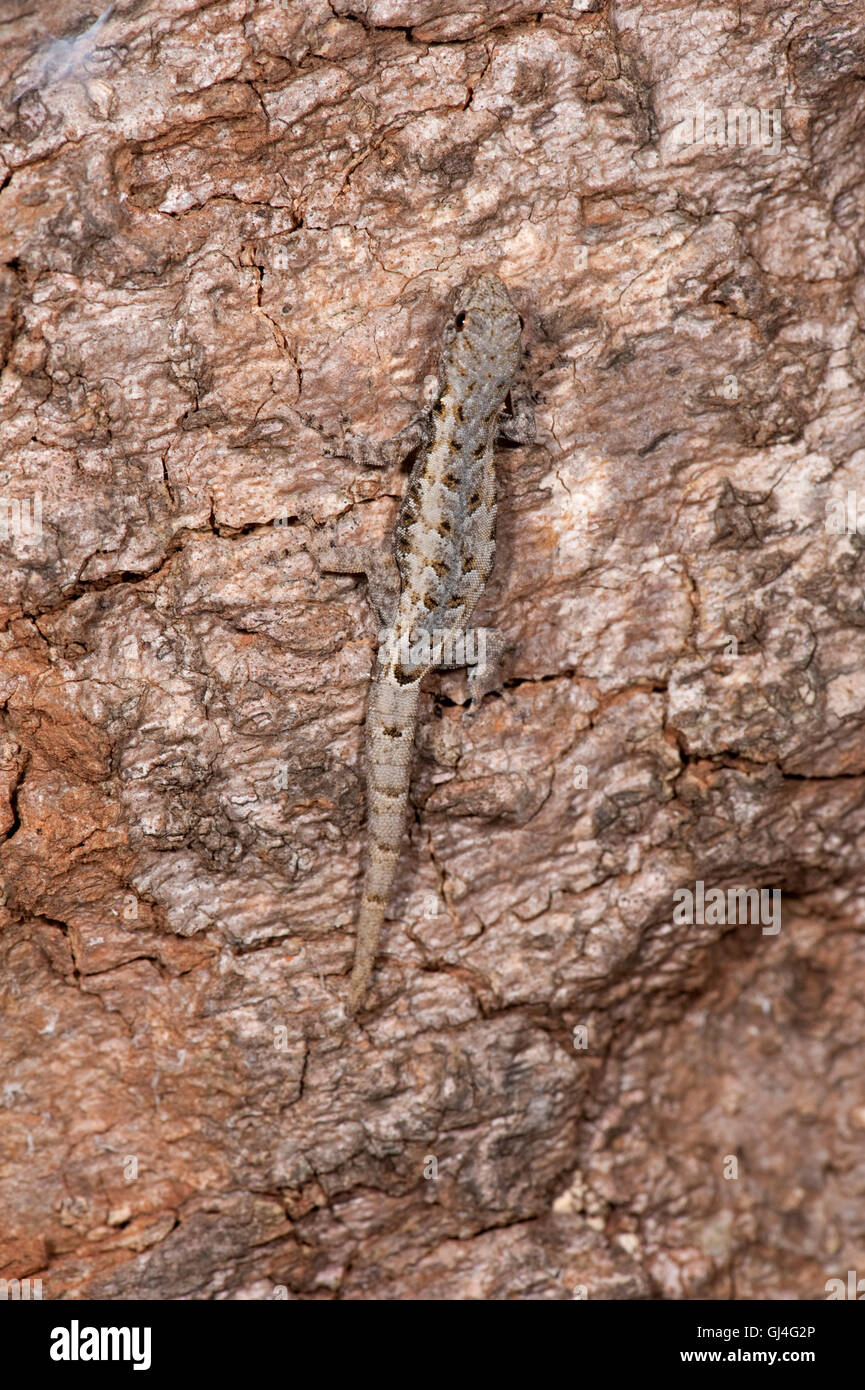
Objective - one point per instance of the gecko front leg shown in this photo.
(517, 425)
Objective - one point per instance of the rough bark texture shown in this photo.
(224, 225)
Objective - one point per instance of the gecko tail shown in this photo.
(386, 823)
(390, 729)
(369, 928)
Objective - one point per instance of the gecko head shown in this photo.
(485, 329)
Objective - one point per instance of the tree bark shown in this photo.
(228, 231)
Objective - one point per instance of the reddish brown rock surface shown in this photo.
(223, 225)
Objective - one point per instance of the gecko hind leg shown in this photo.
(379, 566)
(483, 675)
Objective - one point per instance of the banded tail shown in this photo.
(390, 729)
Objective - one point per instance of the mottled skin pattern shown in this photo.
(443, 546)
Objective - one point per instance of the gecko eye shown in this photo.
(460, 320)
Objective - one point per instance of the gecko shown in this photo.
(425, 585)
